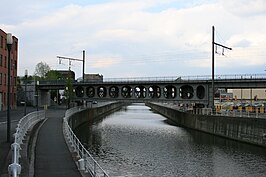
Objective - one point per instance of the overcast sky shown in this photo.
(139, 38)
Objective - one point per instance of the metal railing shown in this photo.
(165, 79)
(87, 164)
(187, 78)
(229, 113)
(222, 112)
(23, 126)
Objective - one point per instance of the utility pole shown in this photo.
(75, 59)
(83, 75)
(223, 47)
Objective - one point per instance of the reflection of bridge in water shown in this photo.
(188, 89)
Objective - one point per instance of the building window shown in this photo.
(15, 81)
(5, 79)
(1, 58)
(15, 64)
(5, 62)
(2, 42)
(0, 78)
(5, 98)
(16, 45)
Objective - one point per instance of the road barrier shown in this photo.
(23, 126)
(86, 162)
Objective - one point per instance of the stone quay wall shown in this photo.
(249, 130)
(92, 114)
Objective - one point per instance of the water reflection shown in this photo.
(138, 142)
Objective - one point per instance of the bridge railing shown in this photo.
(187, 78)
(162, 79)
(23, 126)
(86, 161)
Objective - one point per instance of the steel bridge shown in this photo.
(184, 89)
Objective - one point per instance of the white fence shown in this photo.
(87, 164)
(23, 126)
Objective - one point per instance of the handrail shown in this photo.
(87, 163)
(23, 126)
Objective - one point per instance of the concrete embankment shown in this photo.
(249, 130)
(92, 114)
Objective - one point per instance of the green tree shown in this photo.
(53, 75)
(41, 69)
(69, 91)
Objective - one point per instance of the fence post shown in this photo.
(81, 164)
(15, 169)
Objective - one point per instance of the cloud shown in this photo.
(104, 62)
(246, 8)
(117, 32)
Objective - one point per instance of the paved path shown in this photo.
(53, 158)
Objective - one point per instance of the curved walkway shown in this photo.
(53, 158)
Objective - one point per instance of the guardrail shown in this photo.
(87, 164)
(229, 113)
(23, 126)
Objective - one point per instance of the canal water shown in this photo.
(138, 142)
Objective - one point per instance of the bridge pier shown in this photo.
(44, 98)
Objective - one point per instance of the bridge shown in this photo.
(184, 89)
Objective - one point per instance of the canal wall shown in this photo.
(249, 130)
(92, 114)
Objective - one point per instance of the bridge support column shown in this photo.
(44, 98)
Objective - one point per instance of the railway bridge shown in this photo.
(185, 89)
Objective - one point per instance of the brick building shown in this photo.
(4, 71)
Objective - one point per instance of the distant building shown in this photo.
(66, 73)
(92, 78)
(249, 94)
(30, 96)
(4, 71)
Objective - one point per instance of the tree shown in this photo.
(42, 69)
(53, 75)
(69, 91)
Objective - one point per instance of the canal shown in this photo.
(135, 141)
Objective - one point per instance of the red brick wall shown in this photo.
(4, 70)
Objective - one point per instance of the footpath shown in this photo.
(52, 157)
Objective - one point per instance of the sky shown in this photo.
(139, 38)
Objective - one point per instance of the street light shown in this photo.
(37, 95)
(9, 42)
(25, 104)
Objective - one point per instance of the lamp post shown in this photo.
(25, 104)
(68, 98)
(37, 96)
(9, 42)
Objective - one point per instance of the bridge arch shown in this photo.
(200, 92)
(186, 92)
(90, 91)
(140, 91)
(102, 91)
(79, 91)
(154, 91)
(169, 92)
(126, 92)
(114, 92)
